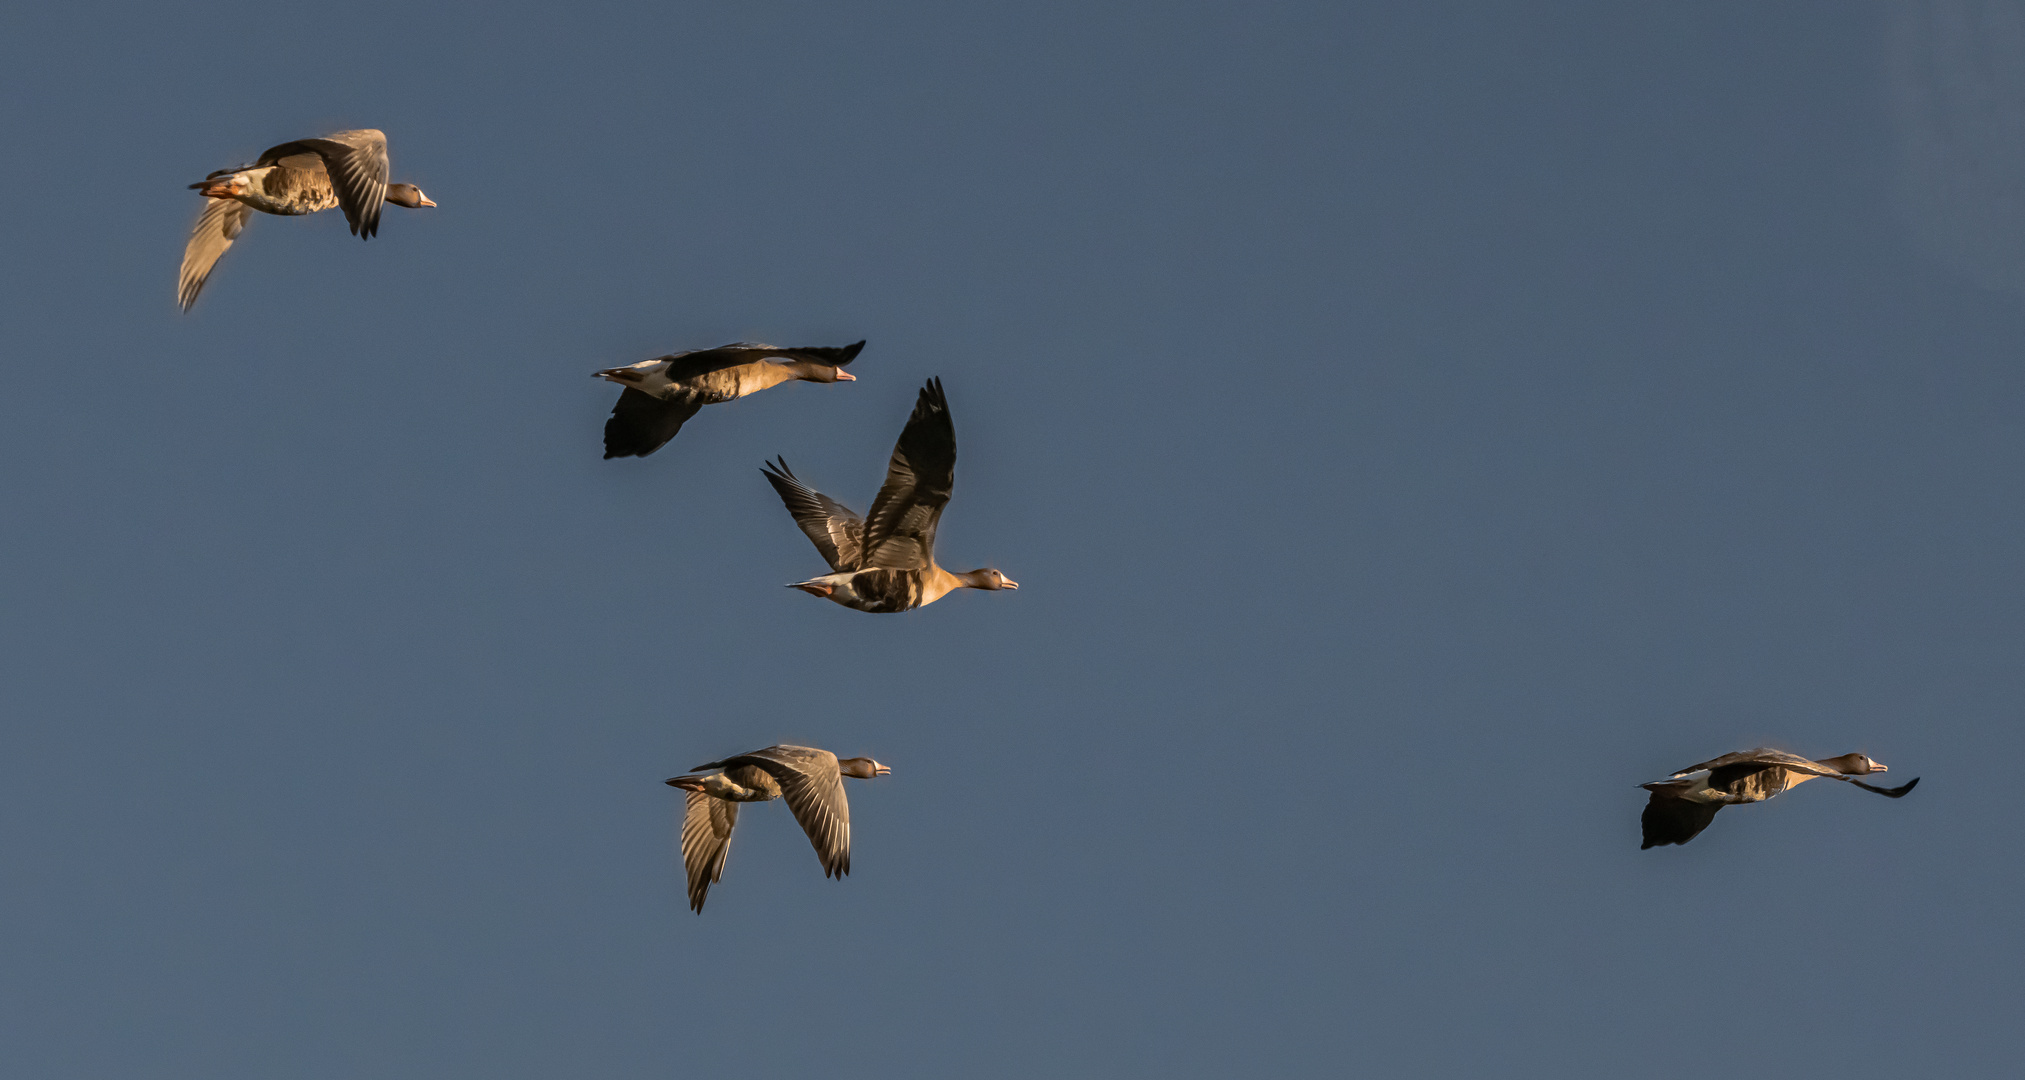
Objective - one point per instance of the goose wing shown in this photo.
(706, 840)
(813, 788)
(217, 227)
(900, 529)
(1668, 820)
(1745, 762)
(836, 531)
(745, 352)
(1888, 792)
(1766, 757)
(690, 367)
(357, 164)
(642, 423)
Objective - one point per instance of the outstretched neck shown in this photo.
(938, 583)
(1851, 765)
(787, 370)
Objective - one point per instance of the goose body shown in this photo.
(885, 562)
(810, 780)
(661, 394)
(347, 170)
(1683, 804)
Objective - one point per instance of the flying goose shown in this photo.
(886, 562)
(1682, 805)
(812, 782)
(347, 170)
(663, 393)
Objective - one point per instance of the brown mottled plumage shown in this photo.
(810, 780)
(347, 169)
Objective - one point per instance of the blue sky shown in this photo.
(1411, 428)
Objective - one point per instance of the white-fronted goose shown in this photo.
(663, 393)
(347, 170)
(886, 563)
(812, 782)
(1683, 804)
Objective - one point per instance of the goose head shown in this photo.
(407, 195)
(862, 768)
(1855, 765)
(987, 578)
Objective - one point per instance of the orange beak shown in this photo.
(845, 376)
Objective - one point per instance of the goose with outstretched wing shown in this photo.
(347, 170)
(661, 394)
(1682, 805)
(885, 561)
(810, 780)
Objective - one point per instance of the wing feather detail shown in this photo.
(813, 788)
(706, 842)
(834, 528)
(900, 528)
(358, 166)
(216, 229)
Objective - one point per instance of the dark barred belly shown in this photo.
(887, 591)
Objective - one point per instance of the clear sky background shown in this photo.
(1412, 426)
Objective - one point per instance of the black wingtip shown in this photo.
(850, 353)
(1892, 793)
(931, 398)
